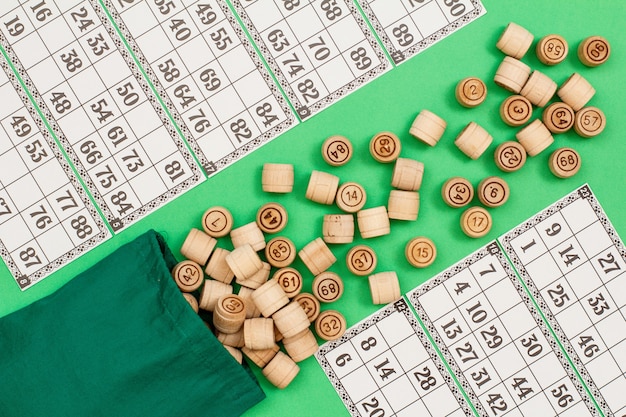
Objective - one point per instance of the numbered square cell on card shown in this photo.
(106, 176)
(181, 28)
(562, 394)
(206, 14)
(483, 376)
(127, 94)
(71, 59)
(40, 217)
(462, 286)
(384, 368)
(280, 37)
(477, 311)
(523, 386)
(16, 23)
(170, 69)
(588, 344)
(343, 359)
(528, 246)
(553, 230)
(173, 170)
(7, 208)
(559, 295)
(467, 352)
(568, 255)
(81, 18)
(221, 38)
(453, 10)
(497, 400)
(488, 271)
(97, 44)
(452, 327)
(403, 33)
(609, 264)
(30, 257)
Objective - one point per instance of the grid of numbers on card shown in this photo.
(127, 157)
(319, 50)
(209, 74)
(45, 217)
(492, 341)
(407, 27)
(384, 366)
(574, 262)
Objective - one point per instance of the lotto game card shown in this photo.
(208, 74)
(88, 88)
(496, 342)
(572, 261)
(319, 50)
(385, 366)
(46, 218)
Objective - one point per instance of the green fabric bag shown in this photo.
(119, 340)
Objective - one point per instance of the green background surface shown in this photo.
(390, 103)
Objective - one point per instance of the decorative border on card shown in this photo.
(399, 306)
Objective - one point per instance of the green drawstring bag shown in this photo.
(119, 340)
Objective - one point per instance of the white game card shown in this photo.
(46, 218)
(573, 262)
(103, 112)
(385, 366)
(210, 77)
(319, 50)
(496, 342)
(407, 27)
